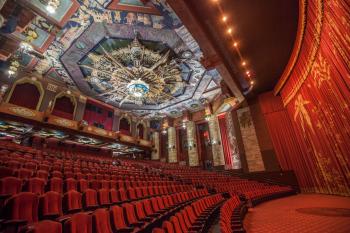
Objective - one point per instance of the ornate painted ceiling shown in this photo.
(92, 52)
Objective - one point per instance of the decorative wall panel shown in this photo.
(250, 140)
(215, 139)
(172, 155)
(156, 141)
(192, 144)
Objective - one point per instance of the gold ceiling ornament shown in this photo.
(134, 74)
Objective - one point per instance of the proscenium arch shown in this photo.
(32, 81)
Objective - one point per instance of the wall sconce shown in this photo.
(164, 131)
(3, 89)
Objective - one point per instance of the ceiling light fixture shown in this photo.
(138, 88)
(224, 18)
(229, 31)
(52, 6)
(235, 44)
(134, 74)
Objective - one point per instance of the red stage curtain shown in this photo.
(98, 115)
(64, 108)
(224, 140)
(25, 95)
(317, 99)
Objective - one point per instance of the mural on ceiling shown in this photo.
(188, 94)
(94, 11)
(128, 71)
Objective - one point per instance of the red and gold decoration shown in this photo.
(309, 124)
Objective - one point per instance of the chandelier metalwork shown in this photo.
(134, 74)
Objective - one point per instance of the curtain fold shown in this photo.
(312, 133)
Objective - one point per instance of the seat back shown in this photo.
(72, 201)
(101, 221)
(10, 185)
(22, 206)
(45, 226)
(50, 204)
(79, 223)
(36, 185)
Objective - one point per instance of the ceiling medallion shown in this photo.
(134, 74)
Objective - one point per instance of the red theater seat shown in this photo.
(83, 185)
(10, 185)
(5, 171)
(50, 205)
(101, 221)
(45, 226)
(70, 184)
(72, 202)
(90, 199)
(56, 174)
(103, 197)
(24, 173)
(56, 184)
(118, 220)
(42, 174)
(78, 223)
(22, 207)
(36, 185)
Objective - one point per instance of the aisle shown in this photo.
(309, 213)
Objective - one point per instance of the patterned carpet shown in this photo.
(305, 213)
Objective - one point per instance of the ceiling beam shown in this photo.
(212, 57)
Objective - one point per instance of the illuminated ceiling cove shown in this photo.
(135, 55)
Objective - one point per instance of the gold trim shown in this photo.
(311, 57)
(32, 81)
(297, 47)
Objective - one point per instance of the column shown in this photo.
(116, 118)
(172, 152)
(156, 149)
(215, 139)
(80, 108)
(192, 144)
(235, 156)
(250, 140)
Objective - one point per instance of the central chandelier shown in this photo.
(133, 74)
(138, 88)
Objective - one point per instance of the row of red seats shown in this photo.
(127, 217)
(60, 185)
(11, 185)
(230, 220)
(192, 218)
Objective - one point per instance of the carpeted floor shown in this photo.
(305, 213)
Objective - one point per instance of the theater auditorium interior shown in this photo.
(174, 116)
